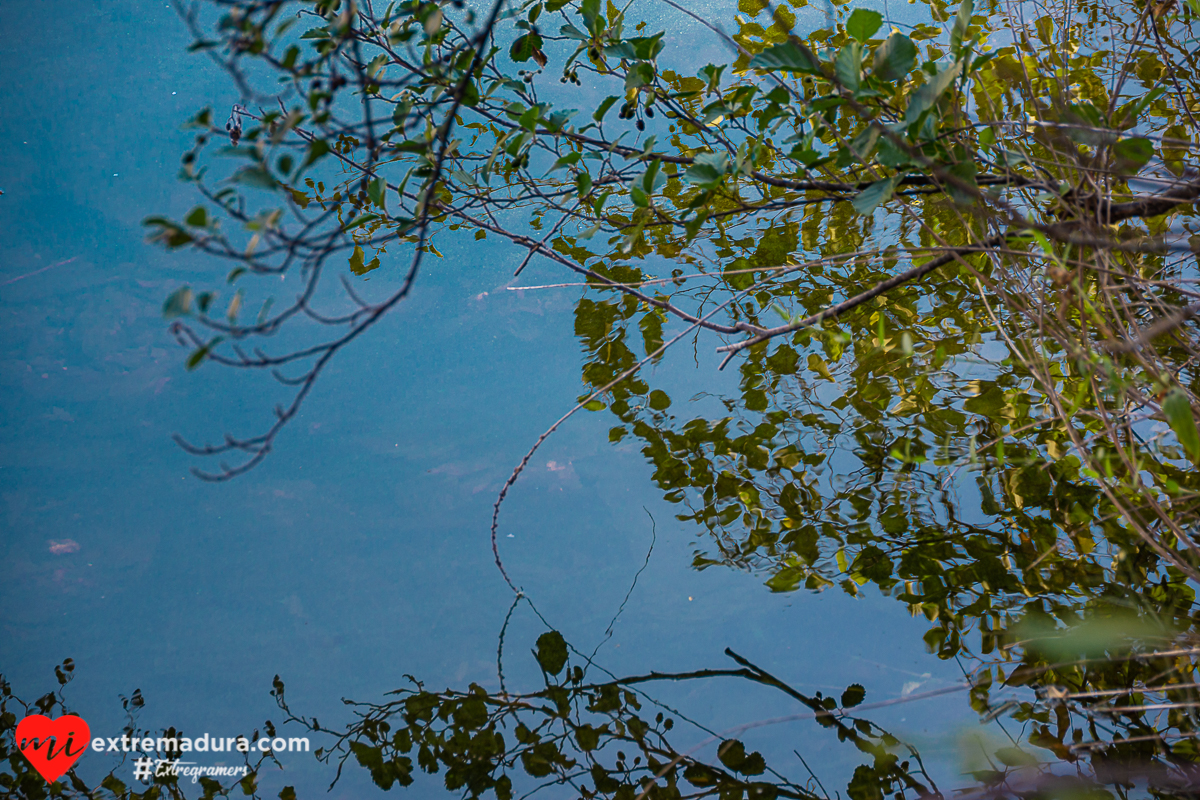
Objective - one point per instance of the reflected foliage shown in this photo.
(855, 475)
(1074, 738)
(614, 739)
(950, 258)
(601, 739)
(18, 779)
(979, 447)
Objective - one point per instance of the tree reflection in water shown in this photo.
(1105, 707)
(1005, 446)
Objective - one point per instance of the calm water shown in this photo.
(359, 551)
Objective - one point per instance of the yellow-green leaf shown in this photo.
(1178, 410)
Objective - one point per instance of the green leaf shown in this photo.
(963, 173)
(591, 15)
(167, 233)
(853, 695)
(870, 198)
(712, 76)
(433, 22)
(924, 98)
(787, 56)
(891, 154)
(1093, 637)
(653, 179)
(733, 755)
(470, 94)
(588, 737)
(400, 114)
(201, 353)
(360, 221)
(583, 184)
(989, 402)
(961, 23)
(529, 118)
(300, 198)
(254, 176)
(377, 191)
(356, 262)
(317, 149)
(895, 57)
(863, 23)
(863, 145)
(178, 303)
(603, 108)
(114, 785)
(407, 146)
(647, 48)
(642, 74)
(1130, 155)
(197, 217)
(1015, 757)
(848, 66)
(265, 311)
(786, 580)
(1177, 408)
(1126, 116)
(559, 119)
(524, 47)
(552, 652)
(708, 169)
(564, 162)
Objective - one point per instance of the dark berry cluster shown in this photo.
(630, 111)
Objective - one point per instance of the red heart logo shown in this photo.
(50, 744)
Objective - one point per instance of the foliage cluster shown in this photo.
(951, 258)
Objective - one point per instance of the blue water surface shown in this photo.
(359, 551)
